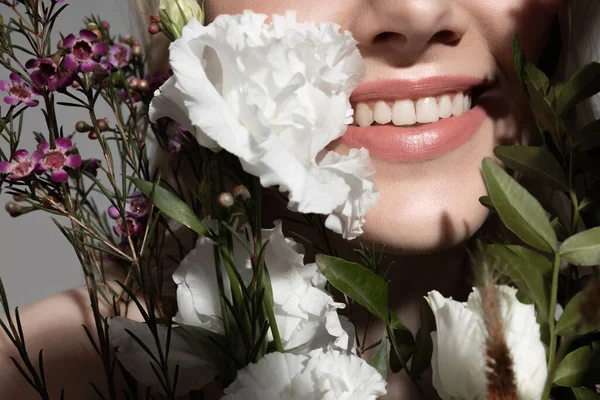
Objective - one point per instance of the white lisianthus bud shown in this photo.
(459, 346)
(175, 14)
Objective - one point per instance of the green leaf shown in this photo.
(583, 248)
(570, 322)
(379, 360)
(486, 201)
(421, 360)
(583, 84)
(585, 394)
(518, 56)
(526, 269)
(588, 138)
(535, 162)
(559, 229)
(171, 205)
(404, 342)
(518, 209)
(580, 367)
(535, 79)
(357, 282)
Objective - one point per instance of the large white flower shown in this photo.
(306, 314)
(459, 355)
(194, 369)
(275, 95)
(320, 375)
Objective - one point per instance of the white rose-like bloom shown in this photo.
(275, 95)
(194, 369)
(320, 375)
(459, 353)
(306, 314)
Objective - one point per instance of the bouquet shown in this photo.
(247, 110)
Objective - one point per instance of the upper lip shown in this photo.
(390, 90)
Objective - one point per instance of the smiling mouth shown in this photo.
(415, 112)
(403, 121)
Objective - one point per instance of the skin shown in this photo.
(427, 209)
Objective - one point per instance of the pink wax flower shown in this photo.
(21, 166)
(103, 71)
(120, 55)
(18, 91)
(134, 226)
(137, 205)
(55, 160)
(84, 52)
(49, 74)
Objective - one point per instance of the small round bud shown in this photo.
(18, 199)
(97, 33)
(113, 212)
(127, 38)
(102, 124)
(105, 25)
(226, 200)
(13, 209)
(133, 82)
(136, 51)
(82, 126)
(75, 85)
(60, 44)
(153, 29)
(241, 192)
(143, 85)
(155, 18)
(92, 135)
(92, 25)
(135, 42)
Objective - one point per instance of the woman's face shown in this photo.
(423, 59)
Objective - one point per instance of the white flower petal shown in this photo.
(460, 340)
(358, 172)
(194, 369)
(321, 375)
(274, 95)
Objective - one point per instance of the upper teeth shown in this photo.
(409, 112)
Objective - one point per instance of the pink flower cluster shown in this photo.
(136, 211)
(44, 159)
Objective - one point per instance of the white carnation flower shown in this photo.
(306, 314)
(275, 95)
(194, 369)
(459, 353)
(320, 375)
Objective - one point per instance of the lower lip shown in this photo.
(396, 143)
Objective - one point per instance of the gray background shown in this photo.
(35, 258)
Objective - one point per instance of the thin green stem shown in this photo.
(552, 311)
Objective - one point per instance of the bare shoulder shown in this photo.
(54, 325)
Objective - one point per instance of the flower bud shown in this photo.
(75, 85)
(155, 18)
(92, 135)
(113, 212)
(82, 126)
(18, 199)
(91, 26)
(135, 42)
(127, 37)
(60, 44)
(226, 200)
(241, 192)
(136, 51)
(153, 29)
(105, 25)
(13, 209)
(175, 14)
(97, 33)
(102, 124)
(133, 82)
(143, 85)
